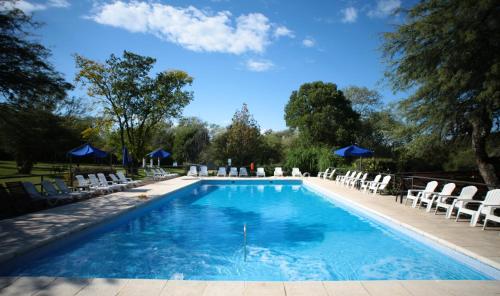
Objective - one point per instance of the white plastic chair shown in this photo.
(203, 171)
(261, 172)
(416, 194)
(366, 184)
(486, 207)
(296, 172)
(221, 172)
(329, 175)
(442, 201)
(339, 178)
(243, 172)
(233, 172)
(278, 172)
(320, 174)
(429, 199)
(193, 172)
(380, 186)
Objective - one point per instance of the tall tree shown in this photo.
(135, 100)
(449, 52)
(240, 141)
(31, 91)
(322, 114)
(365, 101)
(190, 138)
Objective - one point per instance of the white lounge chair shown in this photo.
(66, 190)
(330, 174)
(366, 184)
(429, 199)
(87, 185)
(203, 171)
(278, 172)
(95, 184)
(339, 177)
(233, 172)
(261, 172)
(490, 216)
(443, 201)
(33, 193)
(243, 172)
(416, 194)
(167, 174)
(221, 172)
(124, 179)
(320, 174)
(296, 172)
(487, 206)
(380, 186)
(51, 192)
(354, 183)
(193, 172)
(354, 179)
(347, 179)
(116, 180)
(114, 186)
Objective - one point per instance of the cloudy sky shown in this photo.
(238, 51)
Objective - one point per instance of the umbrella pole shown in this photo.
(70, 171)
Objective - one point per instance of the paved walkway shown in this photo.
(127, 287)
(18, 235)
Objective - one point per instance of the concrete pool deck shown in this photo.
(23, 233)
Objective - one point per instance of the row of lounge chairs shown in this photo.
(357, 180)
(159, 174)
(233, 172)
(23, 197)
(101, 185)
(461, 205)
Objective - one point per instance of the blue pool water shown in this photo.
(293, 233)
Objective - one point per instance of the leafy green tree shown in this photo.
(240, 141)
(31, 91)
(272, 147)
(27, 79)
(448, 51)
(363, 100)
(322, 114)
(136, 101)
(191, 137)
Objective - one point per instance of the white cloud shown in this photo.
(384, 8)
(58, 3)
(190, 27)
(259, 65)
(29, 7)
(349, 15)
(308, 42)
(283, 31)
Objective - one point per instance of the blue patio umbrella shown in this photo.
(82, 151)
(125, 156)
(87, 150)
(159, 153)
(353, 150)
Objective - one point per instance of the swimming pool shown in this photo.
(293, 233)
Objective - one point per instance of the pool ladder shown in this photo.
(245, 242)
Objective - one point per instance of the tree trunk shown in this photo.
(480, 131)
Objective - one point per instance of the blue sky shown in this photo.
(256, 52)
